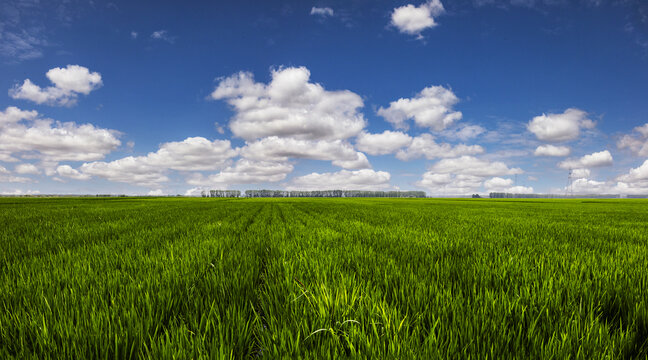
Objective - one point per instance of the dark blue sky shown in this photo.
(512, 69)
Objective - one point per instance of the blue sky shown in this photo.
(451, 98)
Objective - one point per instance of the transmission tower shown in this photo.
(569, 190)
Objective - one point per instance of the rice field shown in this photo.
(163, 278)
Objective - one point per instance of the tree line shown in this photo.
(315, 193)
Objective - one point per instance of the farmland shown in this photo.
(323, 278)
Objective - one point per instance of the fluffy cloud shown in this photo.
(470, 165)
(24, 169)
(191, 154)
(410, 19)
(449, 184)
(157, 192)
(365, 179)
(321, 11)
(6, 177)
(552, 150)
(68, 82)
(24, 133)
(424, 145)
(581, 173)
(465, 175)
(67, 171)
(129, 170)
(498, 184)
(636, 142)
(560, 127)
(432, 108)
(290, 106)
(245, 171)
(598, 159)
(382, 144)
(278, 149)
(637, 174)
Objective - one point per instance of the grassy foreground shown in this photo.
(323, 278)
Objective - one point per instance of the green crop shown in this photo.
(183, 278)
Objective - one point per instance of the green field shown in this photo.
(323, 278)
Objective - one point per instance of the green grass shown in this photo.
(323, 278)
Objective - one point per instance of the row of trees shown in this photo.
(221, 193)
(316, 193)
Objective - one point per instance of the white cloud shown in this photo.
(581, 173)
(21, 132)
(365, 179)
(560, 127)
(191, 154)
(24, 169)
(68, 82)
(449, 184)
(6, 177)
(463, 132)
(470, 165)
(322, 11)
(432, 108)
(130, 169)
(464, 175)
(134, 34)
(597, 159)
(13, 115)
(290, 106)
(637, 174)
(244, 172)
(552, 150)
(410, 19)
(637, 142)
(424, 145)
(67, 171)
(157, 192)
(278, 149)
(20, 192)
(382, 144)
(498, 184)
(164, 36)
(588, 186)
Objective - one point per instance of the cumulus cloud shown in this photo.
(637, 142)
(552, 150)
(365, 179)
(290, 106)
(26, 169)
(245, 171)
(191, 154)
(68, 82)
(470, 165)
(19, 192)
(23, 133)
(597, 159)
(463, 175)
(431, 108)
(560, 127)
(637, 174)
(157, 192)
(425, 146)
(381, 144)
(580, 173)
(321, 11)
(67, 171)
(7, 177)
(274, 148)
(498, 184)
(410, 19)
